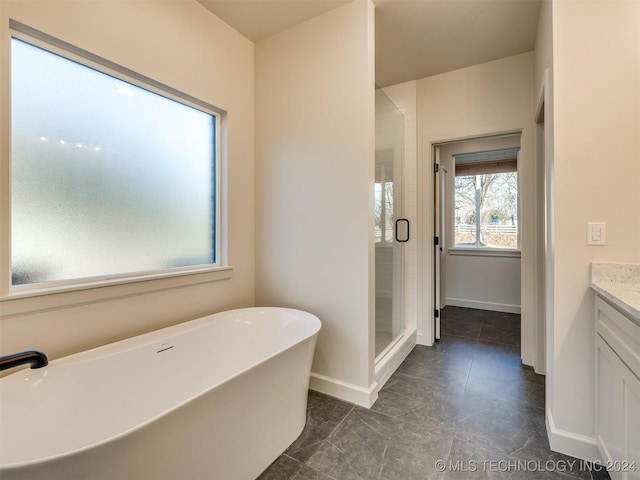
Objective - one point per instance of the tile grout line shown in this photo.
(464, 393)
(384, 454)
(353, 405)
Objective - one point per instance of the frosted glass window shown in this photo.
(107, 178)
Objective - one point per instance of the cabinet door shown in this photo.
(631, 392)
(618, 414)
(609, 404)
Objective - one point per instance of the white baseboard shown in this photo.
(569, 443)
(394, 357)
(365, 397)
(492, 306)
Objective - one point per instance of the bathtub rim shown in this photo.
(46, 459)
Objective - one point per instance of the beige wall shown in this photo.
(314, 188)
(544, 45)
(490, 98)
(596, 130)
(184, 46)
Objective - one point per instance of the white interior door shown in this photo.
(439, 216)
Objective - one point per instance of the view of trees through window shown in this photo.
(486, 210)
(384, 212)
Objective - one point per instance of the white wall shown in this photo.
(314, 188)
(494, 97)
(596, 130)
(483, 282)
(543, 96)
(180, 44)
(543, 58)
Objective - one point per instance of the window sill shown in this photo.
(54, 297)
(484, 252)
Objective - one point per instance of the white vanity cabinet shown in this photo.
(618, 391)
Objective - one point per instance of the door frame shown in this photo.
(544, 304)
(426, 267)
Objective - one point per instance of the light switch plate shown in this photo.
(596, 233)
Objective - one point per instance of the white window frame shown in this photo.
(486, 251)
(101, 288)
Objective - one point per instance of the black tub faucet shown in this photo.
(35, 358)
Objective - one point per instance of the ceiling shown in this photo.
(414, 38)
(258, 19)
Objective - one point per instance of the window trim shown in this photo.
(156, 280)
(485, 252)
(58, 297)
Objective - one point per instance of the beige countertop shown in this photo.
(618, 283)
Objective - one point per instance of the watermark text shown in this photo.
(514, 465)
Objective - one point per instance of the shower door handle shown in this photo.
(404, 220)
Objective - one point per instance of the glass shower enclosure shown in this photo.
(391, 229)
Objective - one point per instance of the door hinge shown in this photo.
(436, 313)
(436, 168)
(436, 240)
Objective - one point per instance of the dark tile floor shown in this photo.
(465, 408)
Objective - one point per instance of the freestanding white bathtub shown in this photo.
(215, 398)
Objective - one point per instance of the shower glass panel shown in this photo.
(388, 209)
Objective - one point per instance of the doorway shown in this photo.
(476, 223)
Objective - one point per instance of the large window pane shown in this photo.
(499, 212)
(465, 211)
(486, 210)
(106, 177)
